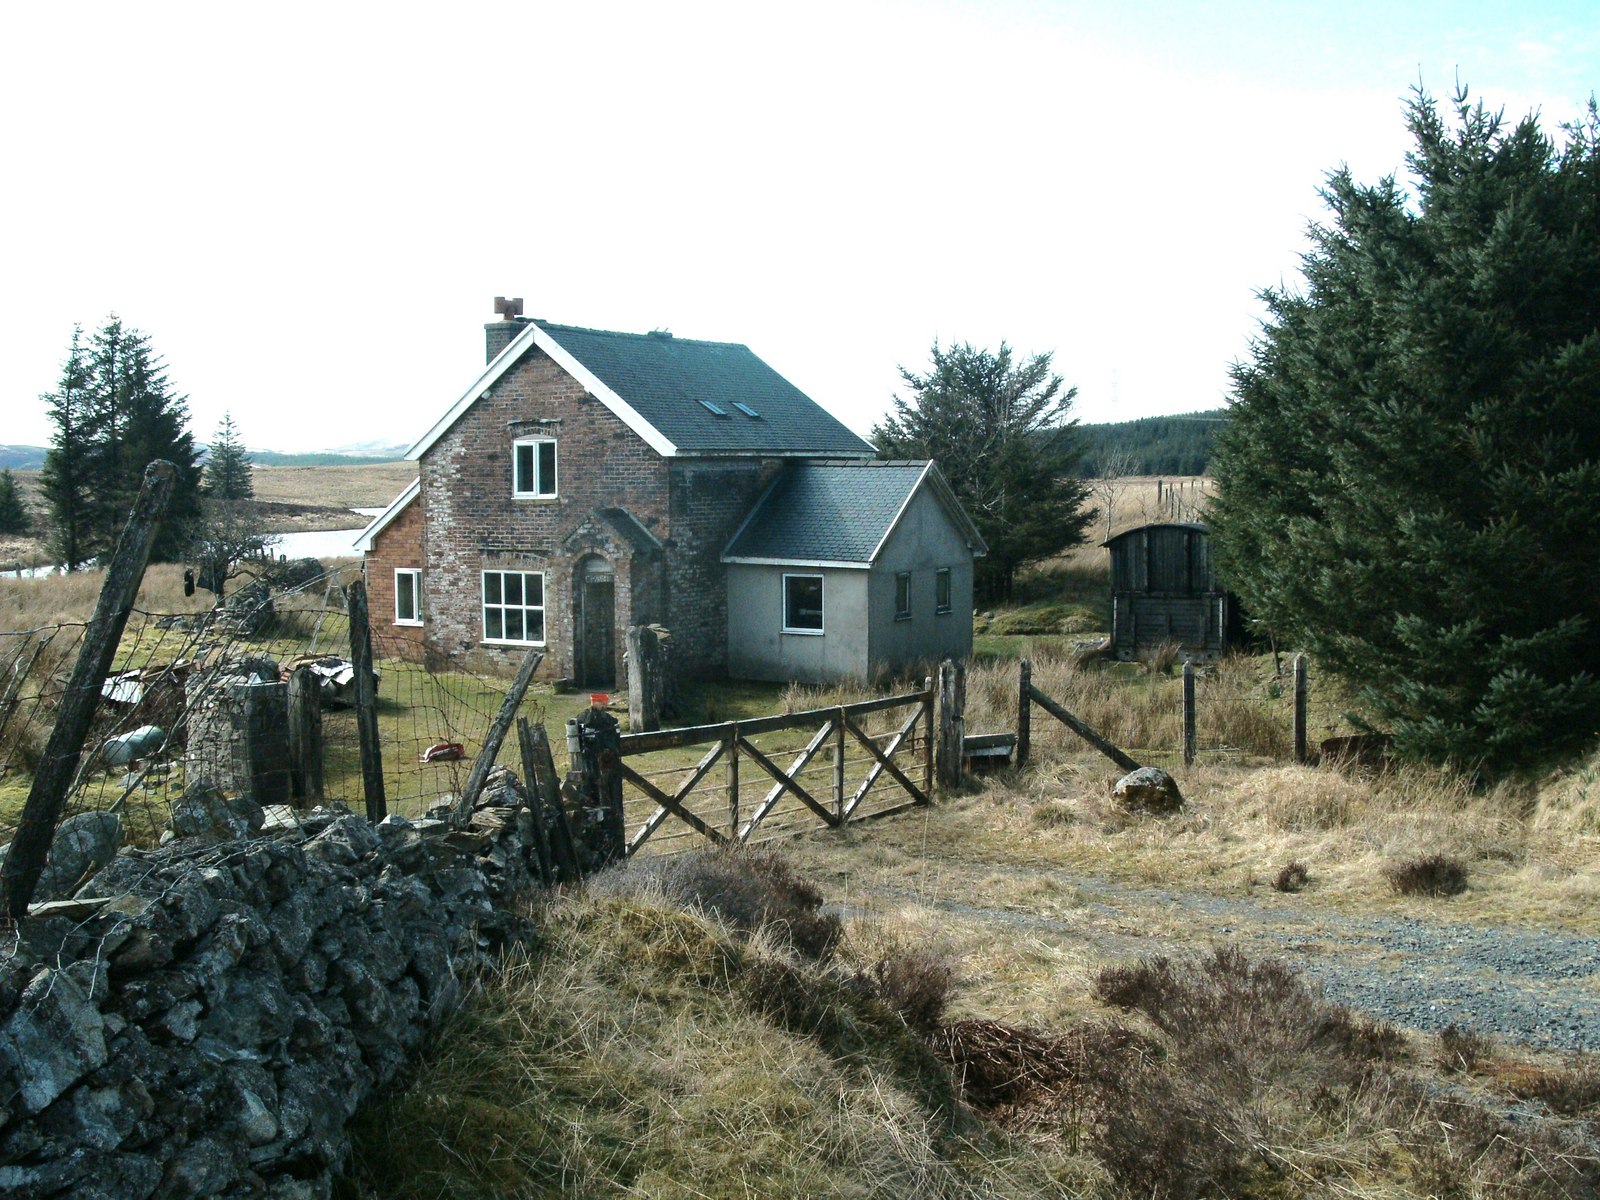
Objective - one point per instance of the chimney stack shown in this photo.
(498, 334)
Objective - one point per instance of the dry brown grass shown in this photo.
(367, 485)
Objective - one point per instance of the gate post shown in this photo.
(952, 721)
(1302, 696)
(1024, 713)
(598, 757)
(1190, 737)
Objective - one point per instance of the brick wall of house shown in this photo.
(709, 499)
(399, 545)
(474, 524)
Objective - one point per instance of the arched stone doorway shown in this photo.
(595, 623)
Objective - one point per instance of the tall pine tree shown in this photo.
(115, 413)
(1410, 479)
(68, 468)
(229, 470)
(13, 513)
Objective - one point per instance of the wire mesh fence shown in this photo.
(177, 706)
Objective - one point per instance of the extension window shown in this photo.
(513, 607)
(407, 596)
(802, 604)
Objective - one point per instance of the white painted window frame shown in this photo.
(502, 607)
(415, 575)
(822, 586)
(519, 493)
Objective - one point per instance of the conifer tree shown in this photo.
(13, 513)
(1410, 478)
(67, 467)
(229, 469)
(1003, 436)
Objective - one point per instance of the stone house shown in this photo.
(588, 481)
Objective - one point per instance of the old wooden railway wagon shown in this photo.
(1163, 590)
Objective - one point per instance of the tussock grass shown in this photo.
(648, 1051)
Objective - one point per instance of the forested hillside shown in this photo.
(1176, 445)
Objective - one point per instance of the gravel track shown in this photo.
(1530, 987)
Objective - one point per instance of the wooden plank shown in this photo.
(886, 761)
(372, 786)
(669, 802)
(563, 845)
(807, 753)
(767, 765)
(927, 732)
(694, 735)
(1082, 730)
(492, 740)
(877, 768)
(536, 805)
(48, 795)
(653, 822)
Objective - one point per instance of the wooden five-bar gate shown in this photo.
(866, 759)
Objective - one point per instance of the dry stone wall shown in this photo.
(204, 1019)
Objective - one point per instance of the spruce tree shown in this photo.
(1003, 436)
(1410, 478)
(229, 469)
(134, 419)
(68, 469)
(13, 513)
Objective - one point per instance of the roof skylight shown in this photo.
(746, 409)
(720, 412)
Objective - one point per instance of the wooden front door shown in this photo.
(595, 657)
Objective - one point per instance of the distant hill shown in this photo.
(1175, 445)
(21, 458)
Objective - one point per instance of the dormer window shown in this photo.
(533, 468)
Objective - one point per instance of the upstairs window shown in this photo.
(407, 596)
(533, 467)
(902, 596)
(513, 607)
(941, 590)
(802, 604)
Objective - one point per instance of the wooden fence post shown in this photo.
(36, 828)
(1190, 737)
(952, 721)
(928, 694)
(1302, 696)
(1024, 713)
(372, 786)
(496, 735)
(305, 735)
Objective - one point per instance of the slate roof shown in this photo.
(665, 378)
(837, 512)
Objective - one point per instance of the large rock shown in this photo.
(1149, 789)
(83, 844)
(206, 811)
(54, 1039)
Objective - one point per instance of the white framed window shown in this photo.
(533, 468)
(941, 590)
(513, 607)
(802, 604)
(902, 596)
(407, 596)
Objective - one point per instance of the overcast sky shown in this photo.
(310, 207)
